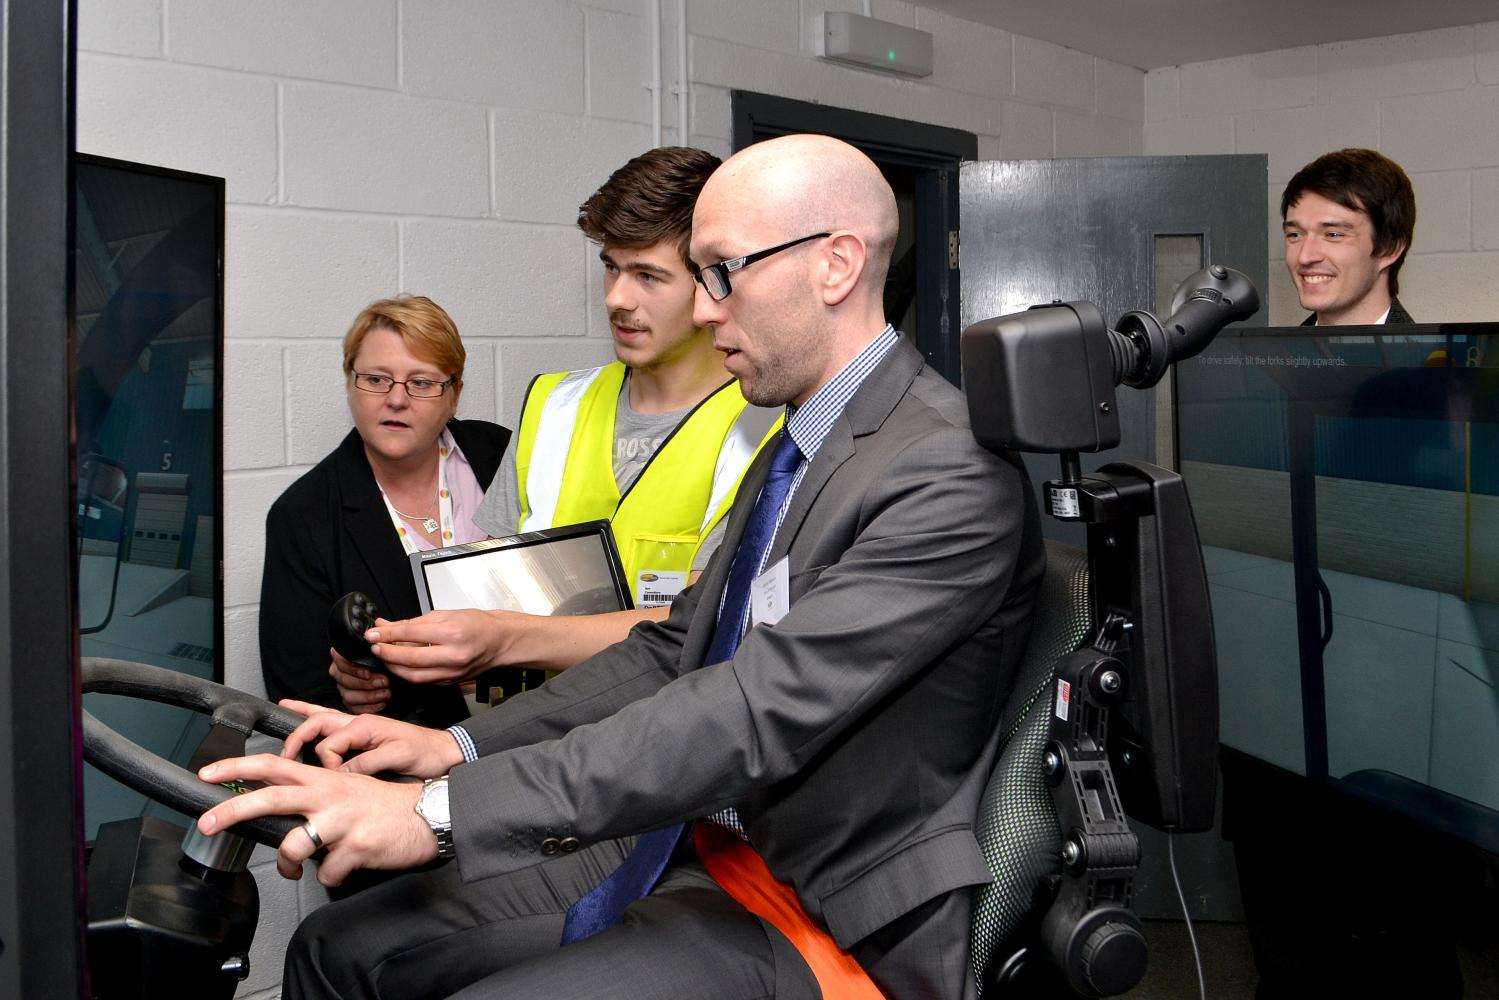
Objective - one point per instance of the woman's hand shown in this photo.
(362, 690)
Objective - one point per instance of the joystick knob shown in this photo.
(352, 614)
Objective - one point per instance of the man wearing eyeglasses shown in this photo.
(818, 708)
(655, 443)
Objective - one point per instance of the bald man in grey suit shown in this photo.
(848, 738)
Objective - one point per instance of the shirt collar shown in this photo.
(810, 423)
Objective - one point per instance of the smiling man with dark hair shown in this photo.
(1349, 217)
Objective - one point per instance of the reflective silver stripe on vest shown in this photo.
(736, 453)
(554, 436)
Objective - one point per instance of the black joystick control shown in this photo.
(352, 614)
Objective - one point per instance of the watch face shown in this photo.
(434, 802)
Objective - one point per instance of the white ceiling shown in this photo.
(1151, 33)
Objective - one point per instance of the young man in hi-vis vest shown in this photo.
(655, 442)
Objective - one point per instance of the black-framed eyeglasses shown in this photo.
(417, 388)
(715, 277)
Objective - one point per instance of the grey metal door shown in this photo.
(1120, 232)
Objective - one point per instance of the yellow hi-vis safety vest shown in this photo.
(564, 471)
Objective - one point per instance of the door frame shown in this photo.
(933, 152)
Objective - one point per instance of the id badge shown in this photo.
(658, 587)
(770, 594)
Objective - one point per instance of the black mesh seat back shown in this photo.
(1017, 823)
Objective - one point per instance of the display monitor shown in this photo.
(148, 346)
(1346, 486)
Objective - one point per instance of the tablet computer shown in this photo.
(569, 570)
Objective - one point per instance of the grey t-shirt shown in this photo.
(636, 438)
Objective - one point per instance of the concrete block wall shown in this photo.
(1428, 100)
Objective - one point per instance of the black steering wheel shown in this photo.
(157, 778)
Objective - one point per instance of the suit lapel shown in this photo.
(876, 398)
(871, 405)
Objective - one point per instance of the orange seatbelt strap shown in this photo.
(743, 874)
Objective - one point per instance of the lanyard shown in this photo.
(445, 445)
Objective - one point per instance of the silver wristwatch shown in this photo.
(432, 806)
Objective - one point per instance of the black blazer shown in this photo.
(328, 534)
(1397, 315)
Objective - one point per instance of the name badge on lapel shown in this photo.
(770, 594)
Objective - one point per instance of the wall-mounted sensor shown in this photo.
(875, 44)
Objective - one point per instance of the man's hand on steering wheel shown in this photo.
(371, 744)
(361, 821)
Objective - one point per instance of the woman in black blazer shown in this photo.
(408, 476)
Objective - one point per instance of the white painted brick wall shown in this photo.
(775, 25)
(126, 27)
(203, 120)
(972, 57)
(254, 418)
(1027, 132)
(1429, 100)
(1486, 49)
(1119, 91)
(294, 274)
(545, 165)
(242, 649)
(1293, 137)
(516, 54)
(1424, 62)
(342, 41)
(247, 496)
(1050, 74)
(1435, 131)
(1443, 211)
(1163, 95)
(1451, 287)
(367, 150)
(1193, 136)
(620, 87)
(1285, 79)
(277, 895)
(505, 279)
(319, 416)
(1094, 135)
(1485, 210)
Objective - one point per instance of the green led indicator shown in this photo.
(890, 55)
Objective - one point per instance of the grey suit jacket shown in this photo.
(854, 736)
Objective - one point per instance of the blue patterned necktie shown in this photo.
(603, 905)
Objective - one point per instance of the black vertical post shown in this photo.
(41, 879)
(1303, 477)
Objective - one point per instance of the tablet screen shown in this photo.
(573, 570)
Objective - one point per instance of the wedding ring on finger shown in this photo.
(312, 835)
